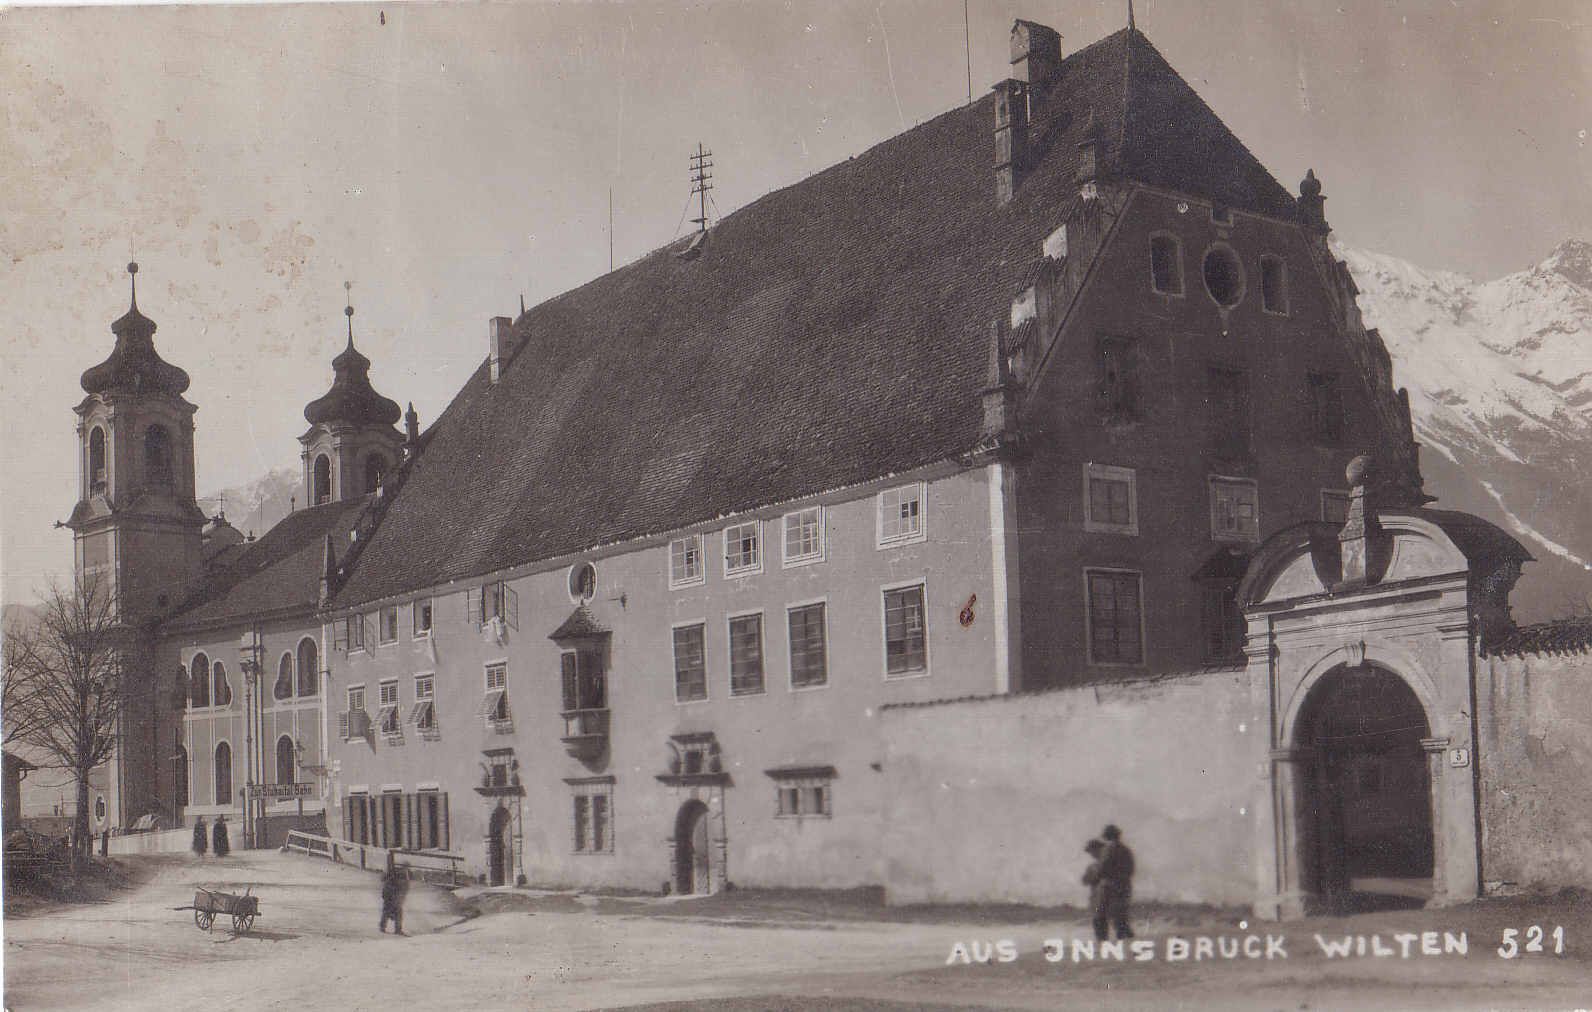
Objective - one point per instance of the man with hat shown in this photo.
(1116, 883)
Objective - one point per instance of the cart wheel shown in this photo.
(204, 918)
(242, 922)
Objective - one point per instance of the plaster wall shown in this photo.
(992, 800)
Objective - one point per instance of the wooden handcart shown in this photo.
(208, 903)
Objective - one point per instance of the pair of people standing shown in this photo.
(220, 844)
(1110, 881)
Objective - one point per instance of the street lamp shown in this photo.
(251, 648)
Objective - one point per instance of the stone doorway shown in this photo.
(1366, 809)
(693, 868)
(500, 848)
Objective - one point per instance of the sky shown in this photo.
(447, 159)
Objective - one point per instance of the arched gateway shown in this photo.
(1361, 647)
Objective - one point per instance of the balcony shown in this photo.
(585, 733)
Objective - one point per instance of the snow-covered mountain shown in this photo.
(258, 505)
(1500, 381)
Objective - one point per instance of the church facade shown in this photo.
(1005, 406)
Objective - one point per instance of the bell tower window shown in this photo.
(96, 461)
(157, 455)
(321, 489)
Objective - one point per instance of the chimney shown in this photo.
(1011, 138)
(500, 344)
(411, 431)
(1036, 53)
(1312, 205)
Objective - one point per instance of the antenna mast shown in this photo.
(701, 183)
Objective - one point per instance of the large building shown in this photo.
(1007, 403)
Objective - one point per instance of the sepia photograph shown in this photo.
(796, 505)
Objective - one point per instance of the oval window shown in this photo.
(582, 582)
(1224, 276)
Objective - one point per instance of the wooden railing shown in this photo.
(429, 865)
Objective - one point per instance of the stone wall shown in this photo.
(992, 799)
(1535, 763)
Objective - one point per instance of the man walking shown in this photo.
(394, 884)
(1116, 882)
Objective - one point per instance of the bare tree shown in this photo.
(18, 680)
(73, 669)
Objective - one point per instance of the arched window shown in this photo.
(223, 774)
(286, 760)
(157, 455)
(180, 776)
(375, 471)
(96, 460)
(1166, 265)
(309, 668)
(223, 693)
(284, 677)
(322, 492)
(199, 680)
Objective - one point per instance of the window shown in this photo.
(1116, 634)
(432, 808)
(1224, 276)
(804, 536)
(594, 818)
(354, 722)
(96, 460)
(1221, 622)
(283, 689)
(582, 582)
(746, 655)
(387, 717)
(685, 561)
(905, 647)
(223, 774)
(322, 480)
(495, 704)
(180, 787)
(223, 688)
(1110, 502)
(1235, 510)
(422, 618)
(387, 625)
(690, 664)
(494, 601)
(502, 768)
(199, 681)
(423, 714)
(1221, 214)
(1326, 408)
(803, 793)
(1227, 398)
(1117, 379)
(585, 679)
(809, 661)
(375, 471)
(696, 754)
(1274, 285)
(1166, 265)
(743, 551)
(286, 760)
(350, 634)
(309, 665)
(157, 455)
(1334, 506)
(901, 515)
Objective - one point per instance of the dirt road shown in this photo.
(316, 946)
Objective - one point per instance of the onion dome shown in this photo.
(133, 364)
(1310, 186)
(352, 398)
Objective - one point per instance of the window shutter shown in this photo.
(365, 631)
(472, 606)
(348, 818)
(410, 829)
(442, 821)
(340, 635)
(511, 607)
(342, 725)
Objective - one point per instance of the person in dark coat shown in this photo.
(1091, 878)
(1116, 881)
(201, 837)
(218, 838)
(394, 887)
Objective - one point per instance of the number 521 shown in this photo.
(1534, 936)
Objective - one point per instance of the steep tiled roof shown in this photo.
(827, 334)
(1566, 636)
(279, 573)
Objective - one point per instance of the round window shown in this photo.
(1224, 276)
(582, 582)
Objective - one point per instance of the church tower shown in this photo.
(136, 524)
(352, 444)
